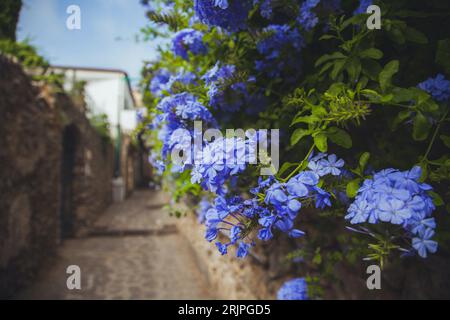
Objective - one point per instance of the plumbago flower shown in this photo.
(203, 206)
(228, 14)
(178, 112)
(280, 48)
(188, 40)
(265, 8)
(307, 18)
(163, 81)
(295, 289)
(159, 81)
(397, 197)
(275, 206)
(438, 87)
(221, 159)
(223, 96)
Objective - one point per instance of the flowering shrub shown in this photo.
(350, 102)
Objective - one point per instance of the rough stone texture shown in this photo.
(230, 278)
(32, 123)
(134, 251)
(261, 274)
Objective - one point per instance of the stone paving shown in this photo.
(134, 251)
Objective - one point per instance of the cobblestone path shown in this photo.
(134, 251)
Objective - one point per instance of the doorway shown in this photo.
(66, 210)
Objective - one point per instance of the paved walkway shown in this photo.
(133, 252)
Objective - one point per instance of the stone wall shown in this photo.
(33, 125)
(260, 275)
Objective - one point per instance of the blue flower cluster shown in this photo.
(275, 206)
(307, 18)
(159, 81)
(229, 14)
(231, 217)
(399, 198)
(295, 289)
(222, 96)
(438, 87)
(362, 8)
(219, 160)
(163, 81)
(188, 40)
(265, 8)
(278, 39)
(178, 111)
(203, 206)
(286, 199)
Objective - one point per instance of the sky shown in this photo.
(107, 38)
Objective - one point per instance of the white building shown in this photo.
(107, 91)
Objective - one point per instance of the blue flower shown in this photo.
(223, 95)
(331, 165)
(398, 198)
(438, 87)
(307, 18)
(279, 46)
(242, 250)
(163, 81)
(223, 248)
(211, 234)
(188, 40)
(295, 233)
(359, 212)
(324, 164)
(230, 15)
(296, 289)
(159, 82)
(424, 244)
(393, 210)
(265, 234)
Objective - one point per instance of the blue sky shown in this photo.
(106, 38)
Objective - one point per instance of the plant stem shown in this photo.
(300, 165)
(425, 157)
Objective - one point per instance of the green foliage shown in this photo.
(25, 54)
(9, 16)
(101, 123)
(356, 96)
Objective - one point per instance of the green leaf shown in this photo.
(443, 54)
(320, 140)
(371, 53)
(437, 200)
(385, 76)
(305, 119)
(338, 65)
(402, 95)
(401, 116)
(414, 35)
(339, 137)
(353, 187)
(327, 37)
(363, 160)
(328, 57)
(353, 67)
(298, 135)
(421, 127)
(446, 140)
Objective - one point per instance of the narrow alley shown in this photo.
(134, 251)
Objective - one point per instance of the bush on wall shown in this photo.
(363, 119)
